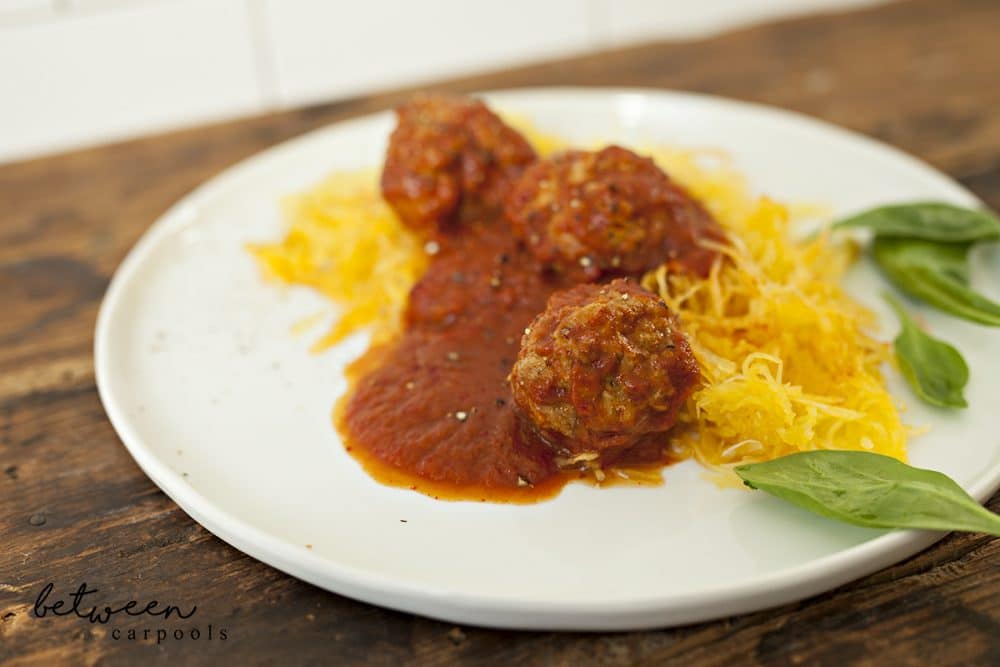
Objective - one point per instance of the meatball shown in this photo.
(602, 367)
(447, 151)
(612, 212)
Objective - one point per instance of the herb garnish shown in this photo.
(871, 490)
(923, 248)
(936, 370)
(930, 221)
(936, 272)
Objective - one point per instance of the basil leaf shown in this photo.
(937, 273)
(935, 370)
(871, 490)
(951, 259)
(932, 221)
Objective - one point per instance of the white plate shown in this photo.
(231, 415)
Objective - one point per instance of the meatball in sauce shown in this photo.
(602, 367)
(447, 152)
(433, 410)
(610, 212)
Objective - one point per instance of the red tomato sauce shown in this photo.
(432, 409)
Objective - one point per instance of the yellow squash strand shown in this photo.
(787, 360)
(343, 240)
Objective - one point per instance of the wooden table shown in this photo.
(924, 76)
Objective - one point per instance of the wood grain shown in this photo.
(921, 75)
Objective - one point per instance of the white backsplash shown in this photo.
(81, 72)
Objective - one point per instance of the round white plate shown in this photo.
(230, 414)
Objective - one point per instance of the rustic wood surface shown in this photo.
(75, 508)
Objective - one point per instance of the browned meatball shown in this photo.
(611, 212)
(603, 366)
(446, 151)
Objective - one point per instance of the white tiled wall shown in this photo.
(109, 74)
(78, 72)
(334, 47)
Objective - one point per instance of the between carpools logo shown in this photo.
(83, 603)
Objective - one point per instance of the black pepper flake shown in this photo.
(503, 258)
(501, 402)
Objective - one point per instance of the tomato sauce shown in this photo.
(432, 409)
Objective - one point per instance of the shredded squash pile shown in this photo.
(787, 363)
(343, 240)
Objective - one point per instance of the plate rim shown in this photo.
(368, 585)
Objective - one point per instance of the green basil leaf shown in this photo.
(937, 273)
(932, 221)
(951, 259)
(935, 370)
(871, 490)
